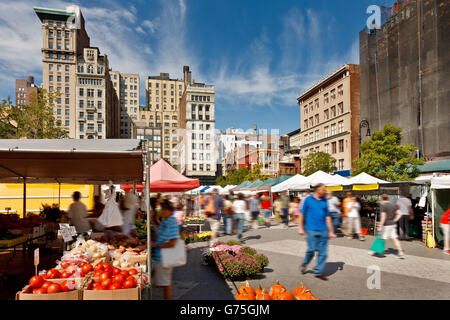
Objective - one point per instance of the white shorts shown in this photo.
(162, 276)
(215, 225)
(389, 232)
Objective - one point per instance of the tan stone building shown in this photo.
(162, 111)
(330, 116)
(127, 90)
(87, 107)
(153, 136)
(25, 90)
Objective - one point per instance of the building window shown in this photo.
(81, 114)
(333, 147)
(90, 116)
(306, 139)
(58, 112)
(326, 132)
(81, 103)
(311, 137)
(305, 124)
(67, 123)
(326, 115)
(341, 90)
(194, 167)
(340, 108)
(325, 98)
(311, 122)
(333, 111)
(100, 127)
(99, 105)
(316, 103)
(327, 148)
(341, 164)
(340, 126)
(333, 129)
(201, 166)
(193, 136)
(99, 93)
(317, 135)
(316, 119)
(81, 127)
(311, 107)
(194, 156)
(67, 101)
(341, 145)
(333, 94)
(305, 110)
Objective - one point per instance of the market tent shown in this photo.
(213, 189)
(227, 189)
(342, 180)
(164, 178)
(440, 202)
(70, 161)
(296, 182)
(322, 177)
(268, 184)
(364, 178)
(249, 185)
(242, 185)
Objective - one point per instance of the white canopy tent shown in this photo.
(325, 178)
(227, 189)
(294, 183)
(440, 182)
(364, 178)
(343, 181)
(212, 189)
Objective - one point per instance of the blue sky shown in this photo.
(260, 54)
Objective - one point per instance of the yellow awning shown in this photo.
(338, 188)
(366, 187)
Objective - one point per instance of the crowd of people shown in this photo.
(319, 215)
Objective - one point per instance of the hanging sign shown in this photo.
(36, 259)
(366, 187)
(66, 232)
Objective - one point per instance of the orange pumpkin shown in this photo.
(276, 289)
(298, 291)
(264, 295)
(245, 295)
(248, 289)
(284, 295)
(259, 290)
(305, 295)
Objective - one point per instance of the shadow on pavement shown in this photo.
(195, 281)
(333, 267)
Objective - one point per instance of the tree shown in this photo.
(32, 121)
(255, 174)
(240, 175)
(319, 161)
(385, 158)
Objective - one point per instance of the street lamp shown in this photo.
(363, 124)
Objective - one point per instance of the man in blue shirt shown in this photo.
(315, 219)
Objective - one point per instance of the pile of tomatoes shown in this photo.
(70, 271)
(112, 278)
(39, 285)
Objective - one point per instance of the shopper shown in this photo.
(306, 195)
(354, 219)
(267, 210)
(344, 216)
(405, 206)
(445, 227)
(284, 199)
(239, 209)
(167, 236)
(213, 210)
(315, 219)
(334, 208)
(179, 215)
(388, 223)
(228, 215)
(98, 208)
(128, 207)
(78, 215)
(254, 209)
(295, 209)
(277, 209)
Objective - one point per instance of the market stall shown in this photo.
(73, 162)
(440, 202)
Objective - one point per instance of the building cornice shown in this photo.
(339, 135)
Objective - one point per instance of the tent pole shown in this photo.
(433, 197)
(24, 197)
(149, 238)
(59, 195)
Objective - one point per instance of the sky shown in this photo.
(259, 54)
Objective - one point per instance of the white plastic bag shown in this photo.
(111, 215)
(174, 257)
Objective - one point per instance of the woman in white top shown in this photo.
(239, 209)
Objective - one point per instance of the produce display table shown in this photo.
(198, 225)
(13, 244)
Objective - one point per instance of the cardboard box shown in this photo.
(71, 295)
(121, 294)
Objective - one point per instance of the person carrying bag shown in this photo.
(378, 245)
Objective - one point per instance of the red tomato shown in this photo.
(104, 276)
(96, 284)
(86, 269)
(36, 282)
(35, 291)
(116, 271)
(125, 273)
(98, 288)
(53, 274)
(45, 276)
(97, 273)
(106, 266)
(120, 279)
(81, 264)
(132, 278)
(132, 272)
(41, 291)
(98, 267)
(107, 283)
(64, 264)
(129, 284)
(46, 284)
(115, 286)
(64, 287)
(54, 288)
(66, 274)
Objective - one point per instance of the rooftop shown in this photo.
(52, 14)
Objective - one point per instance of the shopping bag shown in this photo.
(430, 239)
(174, 257)
(378, 245)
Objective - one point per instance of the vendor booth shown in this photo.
(440, 195)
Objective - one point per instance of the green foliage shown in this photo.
(33, 121)
(248, 250)
(241, 175)
(233, 243)
(262, 259)
(319, 161)
(385, 158)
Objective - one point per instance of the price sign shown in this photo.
(73, 231)
(66, 232)
(36, 259)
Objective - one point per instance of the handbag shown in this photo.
(210, 210)
(174, 257)
(378, 245)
